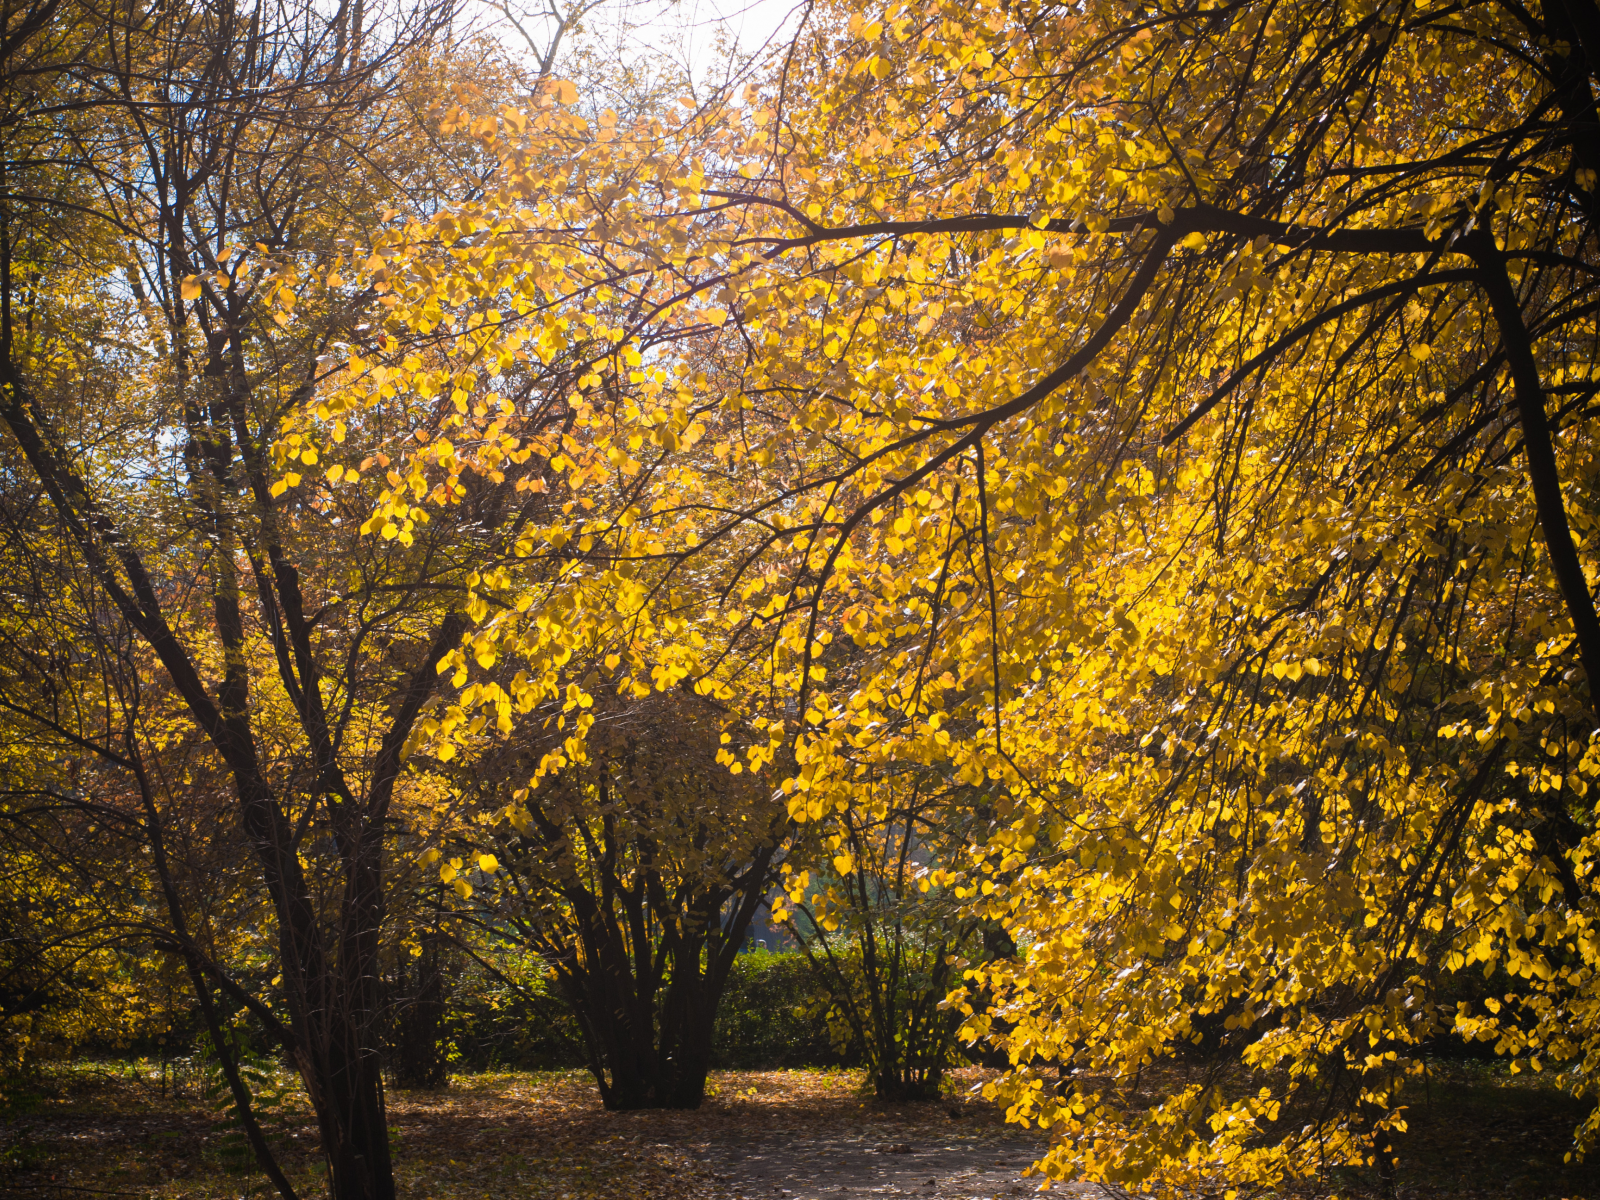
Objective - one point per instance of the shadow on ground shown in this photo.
(781, 1135)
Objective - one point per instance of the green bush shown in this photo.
(773, 1014)
(490, 1025)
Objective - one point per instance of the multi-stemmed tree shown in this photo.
(633, 872)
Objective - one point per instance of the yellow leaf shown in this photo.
(190, 288)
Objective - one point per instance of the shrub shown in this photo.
(517, 1020)
(773, 1014)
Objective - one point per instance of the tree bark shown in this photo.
(1544, 474)
(419, 1026)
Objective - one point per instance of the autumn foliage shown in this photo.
(1154, 437)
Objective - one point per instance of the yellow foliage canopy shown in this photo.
(1172, 422)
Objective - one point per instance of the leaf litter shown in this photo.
(120, 1130)
(534, 1135)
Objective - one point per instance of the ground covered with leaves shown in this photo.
(133, 1130)
(130, 1129)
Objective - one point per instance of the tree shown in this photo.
(98, 843)
(226, 165)
(885, 944)
(419, 998)
(1183, 414)
(633, 872)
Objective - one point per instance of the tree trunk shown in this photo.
(636, 1071)
(352, 1121)
(648, 1048)
(419, 1023)
(339, 1053)
(687, 1017)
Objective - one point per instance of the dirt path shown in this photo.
(845, 1165)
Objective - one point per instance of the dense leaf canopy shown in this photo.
(1171, 420)
(1159, 433)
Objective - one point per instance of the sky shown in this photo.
(695, 24)
(687, 30)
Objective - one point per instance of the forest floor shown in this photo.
(111, 1129)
